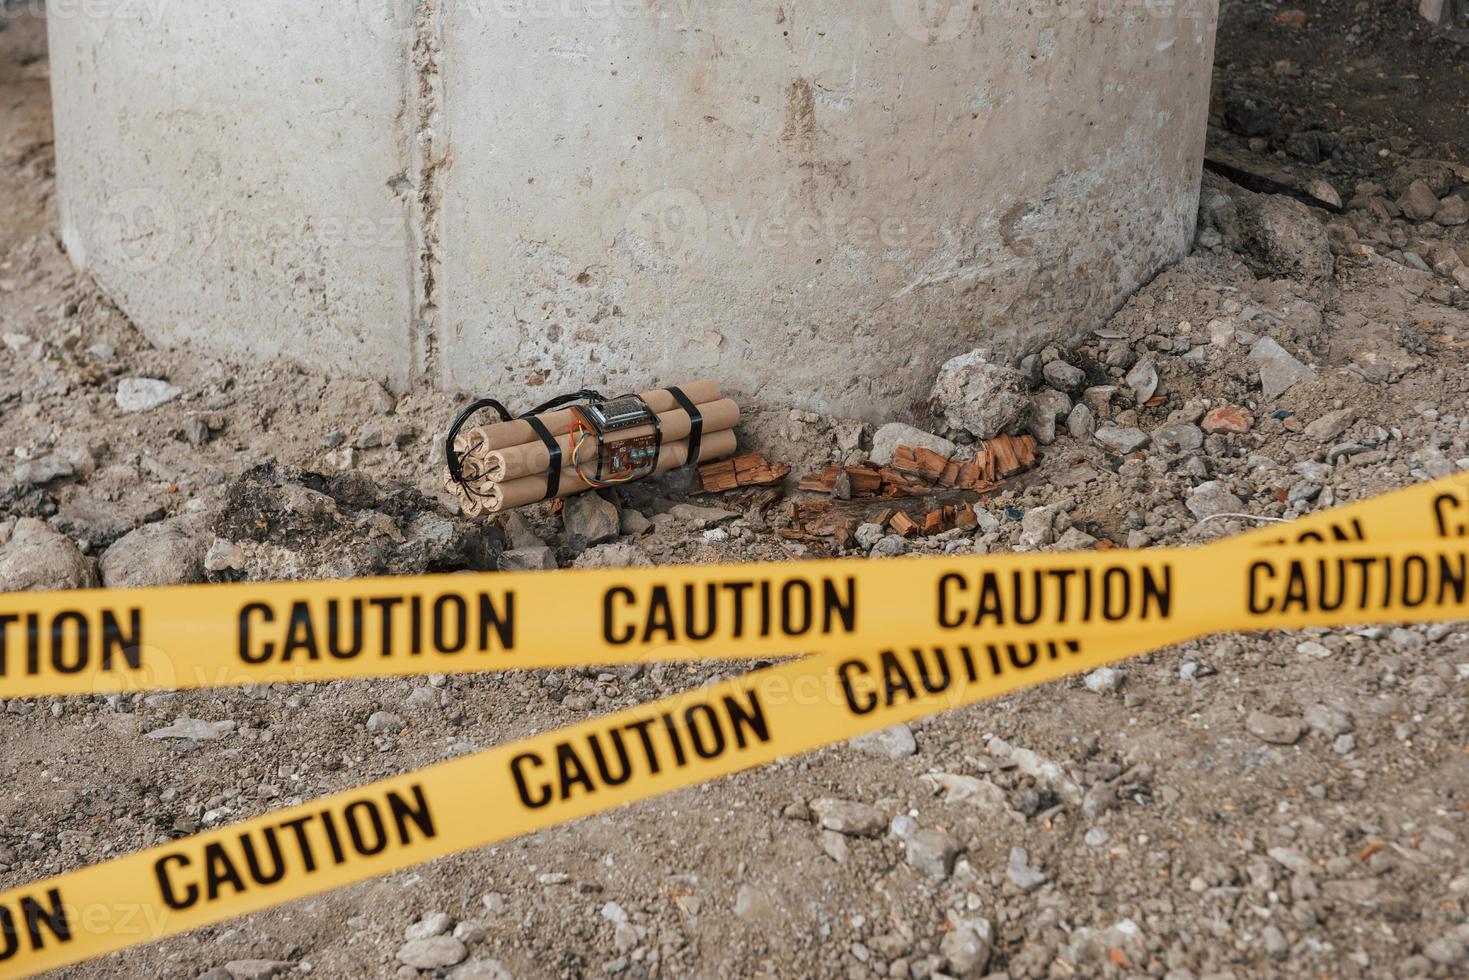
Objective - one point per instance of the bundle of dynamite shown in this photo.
(561, 449)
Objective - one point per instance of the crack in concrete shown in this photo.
(430, 159)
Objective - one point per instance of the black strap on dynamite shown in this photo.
(456, 461)
(553, 470)
(696, 422)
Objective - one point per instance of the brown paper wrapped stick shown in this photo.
(529, 489)
(504, 434)
(528, 459)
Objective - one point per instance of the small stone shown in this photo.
(433, 924)
(1212, 499)
(1323, 192)
(699, 517)
(868, 535)
(432, 953)
(1275, 942)
(967, 947)
(1330, 426)
(614, 554)
(591, 519)
(634, 523)
(896, 742)
(384, 722)
(931, 852)
(1121, 439)
(1274, 729)
(256, 969)
(889, 437)
(1444, 951)
(530, 559)
(1021, 874)
(1059, 374)
(482, 970)
(1104, 680)
(143, 394)
(169, 552)
(1418, 202)
(1180, 437)
(1228, 418)
(1452, 211)
(1143, 380)
(37, 558)
(554, 878)
(849, 817)
(194, 730)
(44, 470)
(1075, 539)
(1327, 720)
(1279, 371)
(1046, 408)
(494, 902)
(1099, 798)
(469, 933)
(1082, 422)
(1038, 527)
(978, 393)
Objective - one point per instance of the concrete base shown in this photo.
(816, 201)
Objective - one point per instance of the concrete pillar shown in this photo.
(816, 201)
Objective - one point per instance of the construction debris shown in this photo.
(749, 470)
(919, 471)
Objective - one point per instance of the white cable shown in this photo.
(1247, 517)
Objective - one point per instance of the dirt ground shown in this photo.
(1176, 834)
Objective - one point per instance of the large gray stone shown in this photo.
(36, 558)
(1279, 369)
(169, 552)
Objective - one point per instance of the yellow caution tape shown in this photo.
(98, 642)
(920, 637)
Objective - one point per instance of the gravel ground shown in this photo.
(1256, 805)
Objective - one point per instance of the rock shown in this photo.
(482, 970)
(1121, 439)
(1104, 680)
(849, 817)
(634, 523)
(1047, 406)
(531, 559)
(44, 470)
(169, 552)
(1323, 192)
(1038, 527)
(37, 558)
(886, 441)
(1142, 379)
(1099, 798)
(380, 722)
(470, 933)
(143, 394)
(1179, 437)
(697, 516)
(256, 969)
(1228, 418)
(1066, 377)
(1418, 202)
(931, 852)
(618, 554)
(591, 519)
(868, 534)
(1075, 539)
(1445, 951)
(970, 790)
(1279, 370)
(1452, 211)
(224, 556)
(433, 924)
(1021, 874)
(1279, 237)
(1327, 720)
(1274, 729)
(1331, 425)
(889, 743)
(432, 953)
(194, 730)
(967, 947)
(1275, 942)
(1212, 499)
(1437, 174)
(1082, 422)
(979, 394)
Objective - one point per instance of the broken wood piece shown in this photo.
(749, 470)
(902, 524)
